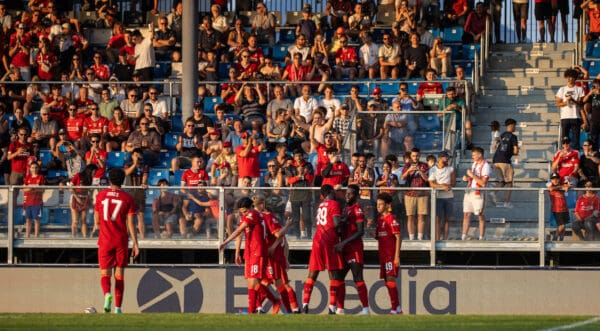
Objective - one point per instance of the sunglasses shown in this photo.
(144, 123)
(94, 141)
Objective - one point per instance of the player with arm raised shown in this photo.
(255, 253)
(323, 254)
(113, 216)
(389, 239)
(352, 248)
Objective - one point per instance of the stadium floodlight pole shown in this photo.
(189, 57)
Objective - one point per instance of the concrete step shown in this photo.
(524, 72)
(522, 61)
(538, 81)
(547, 47)
(513, 99)
(485, 115)
(535, 93)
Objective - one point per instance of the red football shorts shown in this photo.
(354, 253)
(256, 267)
(324, 257)
(386, 267)
(113, 256)
(278, 269)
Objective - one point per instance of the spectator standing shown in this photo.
(263, 25)
(543, 15)
(508, 147)
(561, 6)
(416, 202)
(593, 11)
(475, 26)
(80, 199)
(18, 50)
(474, 201)
(144, 54)
(164, 40)
(247, 158)
(592, 109)
(136, 174)
(589, 164)
(443, 178)
(569, 101)
(32, 199)
(300, 174)
(520, 16)
(307, 25)
(558, 204)
(495, 139)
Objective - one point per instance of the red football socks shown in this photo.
(105, 283)
(333, 289)
(341, 294)
(393, 292)
(362, 293)
(284, 298)
(119, 289)
(308, 287)
(292, 297)
(251, 300)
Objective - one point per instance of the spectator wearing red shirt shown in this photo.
(192, 178)
(247, 157)
(18, 153)
(83, 103)
(119, 129)
(128, 47)
(229, 89)
(116, 42)
(46, 61)
(345, 61)
(430, 86)
(558, 204)
(74, 126)
(416, 202)
(455, 13)
(32, 199)
(566, 163)
(56, 104)
(294, 72)
(256, 53)
(18, 50)
(475, 25)
(101, 70)
(95, 124)
(587, 211)
(97, 156)
(336, 173)
(245, 69)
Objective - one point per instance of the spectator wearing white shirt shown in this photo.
(368, 56)
(144, 54)
(159, 107)
(389, 58)
(305, 104)
(331, 104)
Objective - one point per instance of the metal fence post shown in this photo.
(11, 226)
(221, 223)
(432, 226)
(541, 229)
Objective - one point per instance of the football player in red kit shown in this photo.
(388, 237)
(113, 216)
(352, 248)
(323, 254)
(255, 253)
(277, 261)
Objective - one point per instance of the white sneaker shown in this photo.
(365, 311)
(500, 205)
(340, 311)
(508, 205)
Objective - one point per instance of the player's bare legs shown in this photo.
(83, 217)
(141, 224)
(410, 225)
(481, 226)
(466, 224)
(357, 276)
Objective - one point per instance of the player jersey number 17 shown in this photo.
(115, 210)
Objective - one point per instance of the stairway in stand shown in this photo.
(520, 83)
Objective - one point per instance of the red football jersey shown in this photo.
(272, 224)
(113, 206)
(338, 174)
(355, 216)
(19, 163)
(587, 205)
(255, 235)
(248, 165)
(387, 228)
(322, 159)
(33, 198)
(95, 126)
(558, 202)
(567, 163)
(102, 155)
(325, 227)
(74, 128)
(192, 178)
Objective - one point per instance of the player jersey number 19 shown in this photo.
(322, 216)
(115, 210)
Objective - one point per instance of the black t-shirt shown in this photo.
(505, 149)
(595, 113)
(589, 167)
(417, 55)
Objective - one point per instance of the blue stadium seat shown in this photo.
(389, 88)
(279, 52)
(593, 67)
(176, 123)
(435, 32)
(287, 36)
(61, 216)
(413, 87)
(157, 174)
(264, 157)
(176, 182)
(456, 51)
(148, 216)
(428, 141)
(32, 117)
(45, 216)
(171, 140)
(164, 158)
(162, 69)
(209, 104)
(341, 88)
(57, 173)
(429, 123)
(117, 159)
(469, 50)
(453, 34)
(151, 195)
(45, 156)
(18, 217)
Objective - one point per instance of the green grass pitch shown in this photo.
(173, 322)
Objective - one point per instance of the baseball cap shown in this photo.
(509, 121)
(444, 154)
(66, 25)
(61, 131)
(224, 164)
(307, 8)
(244, 134)
(344, 106)
(21, 26)
(215, 132)
(371, 103)
(554, 175)
(226, 144)
(566, 140)
(377, 90)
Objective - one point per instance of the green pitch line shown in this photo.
(174, 322)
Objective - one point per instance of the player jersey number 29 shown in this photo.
(322, 216)
(115, 210)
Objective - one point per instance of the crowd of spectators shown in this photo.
(91, 113)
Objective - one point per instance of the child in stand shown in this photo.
(558, 204)
(495, 127)
(32, 199)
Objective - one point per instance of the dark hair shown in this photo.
(327, 190)
(162, 181)
(571, 73)
(385, 197)
(391, 157)
(331, 150)
(116, 176)
(244, 202)
(477, 149)
(354, 188)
